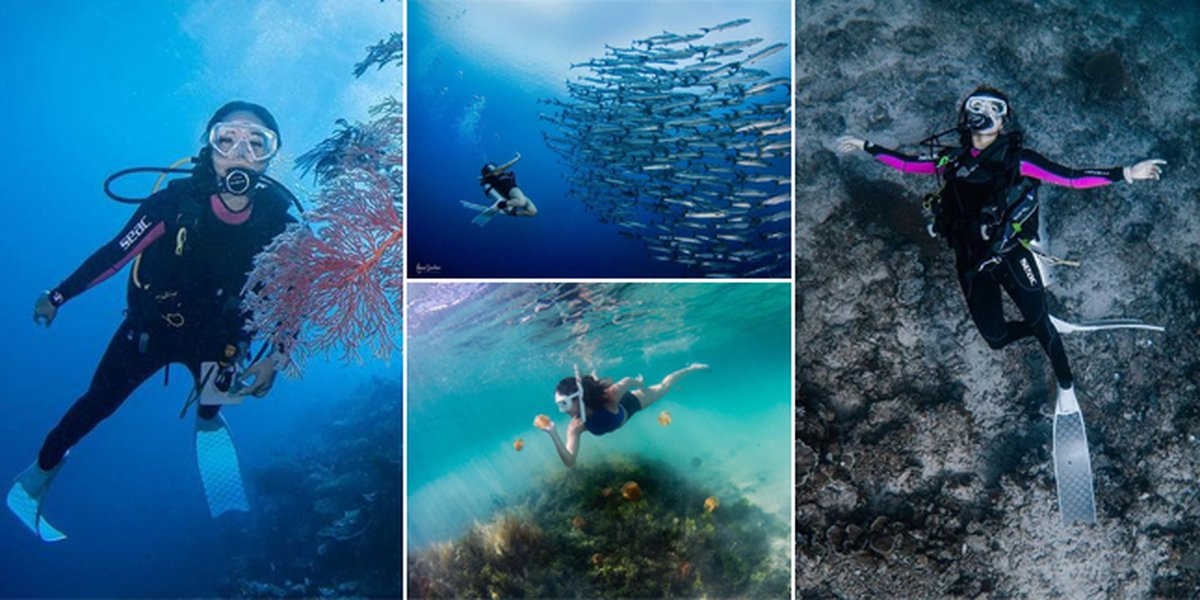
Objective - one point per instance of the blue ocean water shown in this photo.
(90, 88)
(484, 360)
(476, 72)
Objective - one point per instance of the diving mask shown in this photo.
(983, 112)
(256, 142)
(564, 402)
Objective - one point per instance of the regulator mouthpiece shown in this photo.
(238, 181)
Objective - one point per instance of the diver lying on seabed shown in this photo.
(987, 211)
(601, 406)
(500, 186)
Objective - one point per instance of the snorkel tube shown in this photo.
(579, 386)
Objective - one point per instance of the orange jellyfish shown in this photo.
(578, 522)
(711, 503)
(541, 421)
(519, 444)
(631, 491)
(597, 559)
(664, 418)
(606, 492)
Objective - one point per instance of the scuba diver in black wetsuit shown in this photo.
(987, 211)
(500, 186)
(192, 247)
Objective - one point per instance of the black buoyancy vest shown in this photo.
(978, 193)
(194, 274)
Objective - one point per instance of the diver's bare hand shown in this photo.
(1147, 169)
(44, 311)
(697, 367)
(848, 143)
(576, 427)
(263, 373)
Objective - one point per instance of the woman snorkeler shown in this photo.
(987, 210)
(601, 406)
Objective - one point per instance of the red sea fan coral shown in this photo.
(336, 280)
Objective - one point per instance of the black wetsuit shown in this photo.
(184, 295)
(503, 182)
(980, 192)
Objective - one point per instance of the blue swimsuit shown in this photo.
(601, 421)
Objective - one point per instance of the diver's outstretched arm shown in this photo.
(506, 165)
(569, 451)
(1036, 166)
(896, 160)
(617, 389)
(650, 395)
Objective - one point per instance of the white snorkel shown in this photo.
(564, 402)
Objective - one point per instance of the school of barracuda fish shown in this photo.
(685, 144)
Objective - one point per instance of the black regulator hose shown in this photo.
(244, 177)
(123, 172)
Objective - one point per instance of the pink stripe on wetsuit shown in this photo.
(1029, 169)
(218, 207)
(920, 167)
(155, 233)
(228, 216)
(147, 225)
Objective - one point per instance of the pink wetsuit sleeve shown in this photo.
(154, 234)
(146, 226)
(902, 162)
(1038, 167)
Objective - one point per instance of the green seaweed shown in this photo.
(577, 535)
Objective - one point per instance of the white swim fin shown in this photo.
(219, 471)
(1072, 462)
(486, 213)
(1100, 325)
(25, 500)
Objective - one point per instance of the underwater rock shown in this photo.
(1106, 74)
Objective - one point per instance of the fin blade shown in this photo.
(219, 470)
(1073, 469)
(1103, 324)
(29, 511)
(486, 213)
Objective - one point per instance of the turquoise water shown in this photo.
(484, 360)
